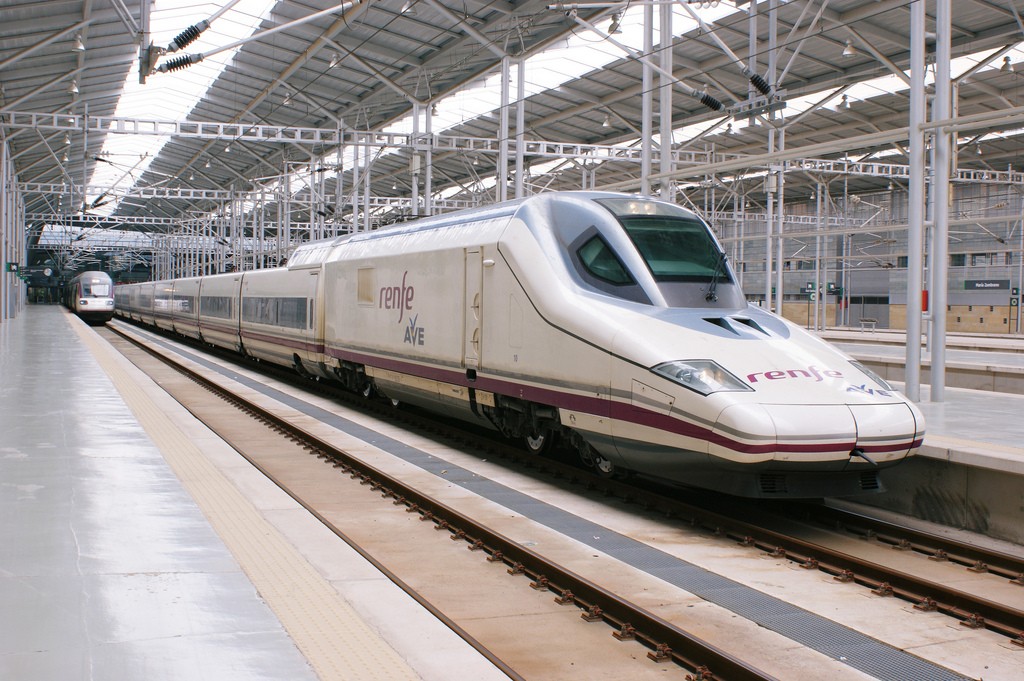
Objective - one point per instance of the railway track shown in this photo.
(726, 521)
(665, 642)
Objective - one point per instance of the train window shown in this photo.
(288, 312)
(216, 306)
(365, 287)
(95, 289)
(291, 312)
(183, 303)
(675, 249)
(600, 261)
(675, 245)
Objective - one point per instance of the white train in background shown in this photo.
(611, 322)
(90, 295)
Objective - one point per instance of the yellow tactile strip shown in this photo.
(334, 639)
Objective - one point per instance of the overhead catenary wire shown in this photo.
(188, 60)
(756, 79)
(703, 97)
(191, 33)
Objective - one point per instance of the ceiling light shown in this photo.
(850, 50)
(977, 149)
(845, 104)
(335, 60)
(607, 122)
(287, 99)
(64, 157)
(73, 87)
(67, 139)
(78, 45)
(408, 8)
(227, 147)
(192, 175)
(1006, 67)
(433, 109)
(729, 130)
(207, 163)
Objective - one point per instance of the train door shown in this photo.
(472, 334)
(314, 330)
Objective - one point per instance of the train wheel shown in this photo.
(539, 443)
(603, 466)
(367, 390)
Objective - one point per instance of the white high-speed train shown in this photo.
(610, 321)
(90, 295)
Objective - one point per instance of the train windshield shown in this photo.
(675, 245)
(95, 289)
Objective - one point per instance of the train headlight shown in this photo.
(701, 375)
(83, 301)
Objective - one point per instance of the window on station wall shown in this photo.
(902, 261)
(980, 259)
(957, 259)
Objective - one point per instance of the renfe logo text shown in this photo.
(810, 372)
(397, 297)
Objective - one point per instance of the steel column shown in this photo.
(647, 103)
(915, 199)
(665, 101)
(941, 110)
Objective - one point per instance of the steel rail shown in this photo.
(934, 546)
(972, 610)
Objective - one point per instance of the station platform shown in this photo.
(969, 473)
(979, 362)
(112, 570)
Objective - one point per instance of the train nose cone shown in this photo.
(794, 433)
(743, 433)
(886, 432)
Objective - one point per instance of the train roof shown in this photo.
(91, 274)
(316, 252)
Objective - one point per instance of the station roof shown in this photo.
(67, 65)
